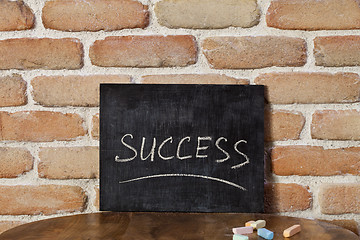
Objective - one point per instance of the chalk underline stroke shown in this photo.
(185, 175)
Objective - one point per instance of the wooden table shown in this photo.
(167, 226)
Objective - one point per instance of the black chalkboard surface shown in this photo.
(186, 148)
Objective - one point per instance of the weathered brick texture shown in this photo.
(336, 125)
(310, 160)
(312, 87)
(54, 54)
(282, 197)
(95, 127)
(192, 79)
(314, 14)
(40, 126)
(15, 15)
(207, 13)
(339, 198)
(283, 125)
(337, 51)
(94, 15)
(6, 225)
(14, 162)
(44, 199)
(12, 91)
(144, 51)
(42, 53)
(69, 162)
(72, 90)
(254, 52)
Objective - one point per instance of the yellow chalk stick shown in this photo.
(248, 224)
(291, 231)
(258, 224)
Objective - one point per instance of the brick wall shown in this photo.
(54, 54)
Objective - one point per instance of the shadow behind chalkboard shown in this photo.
(197, 116)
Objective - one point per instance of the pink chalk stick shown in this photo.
(243, 230)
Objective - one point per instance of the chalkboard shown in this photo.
(185, 148)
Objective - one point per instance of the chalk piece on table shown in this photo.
(248, 224)
(258, 224)
(291, 231)
(240, 237)
(264, 233)
(243, 230)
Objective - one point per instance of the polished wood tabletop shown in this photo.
(168, 226)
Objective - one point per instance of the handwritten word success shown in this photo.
(202, 144)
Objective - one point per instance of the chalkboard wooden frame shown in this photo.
(182, 148)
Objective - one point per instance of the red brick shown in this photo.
(312, 87)
(15, 15)
(337, 51)
(6, 225)
(40, 126)
(314, 14)
(282, 197)
(14, 162)
(347, 224)
(283, 125)
(192, 79)
(336, 125)
(95, 127)
(339, 198)
(207, 13)
(254, 52)
(310, 160)
(94, 15)
(44, 199)
(12, 91)
(41, 53)
(69, 162)
(144, 51)
(72, 90)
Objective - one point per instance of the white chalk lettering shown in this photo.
(117, 158)
(161, 145)
(152, 151)
(242, 154)
(225, 152)
(184, 150)
(201, 148)
(178, 149)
